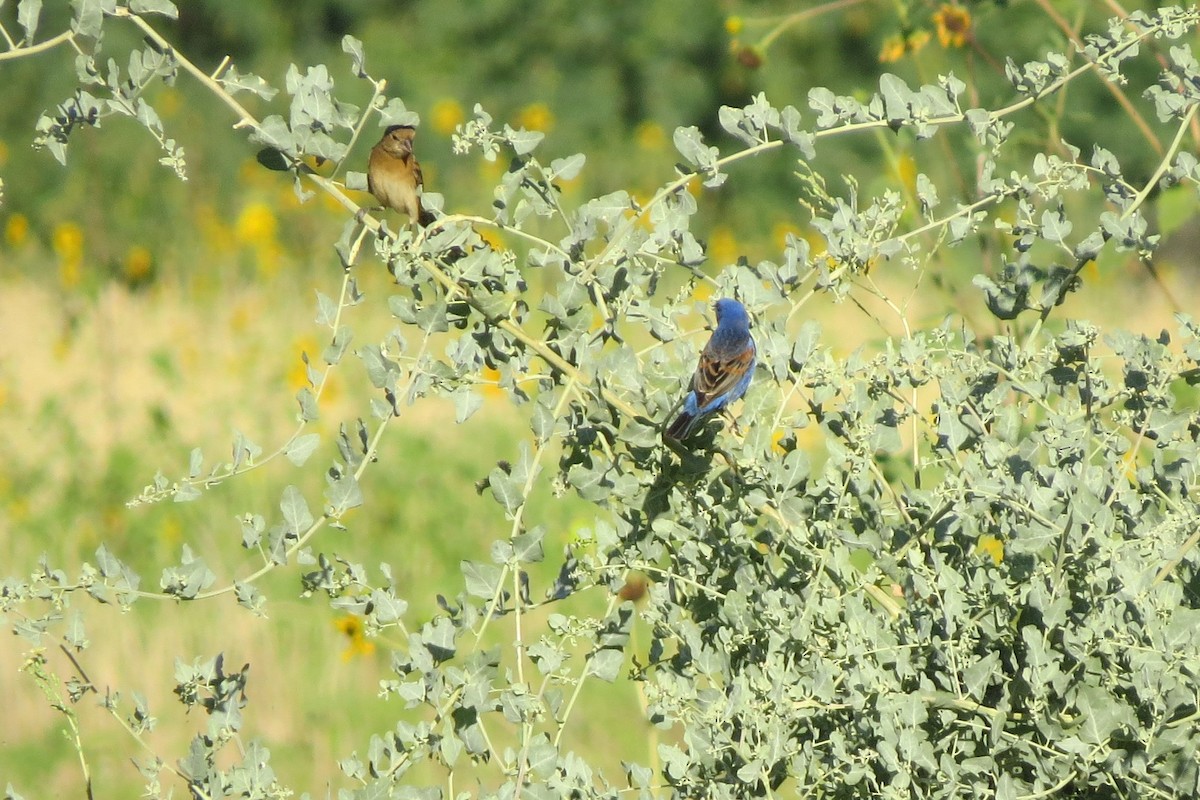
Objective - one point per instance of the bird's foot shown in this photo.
(733, 423)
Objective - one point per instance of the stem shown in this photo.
(800, 16)
(33, 49)
(518, 521)
(379, 86)
(1164, 164)
(245, 118)
(562, 726)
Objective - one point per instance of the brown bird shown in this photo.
(394, 174)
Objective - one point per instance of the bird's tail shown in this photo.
(682, 426)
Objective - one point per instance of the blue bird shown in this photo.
(725, 368)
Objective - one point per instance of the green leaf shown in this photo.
(299, 449)
(195, 462)
(327, 310)
(244, 451)
(249, 597)
(395, 113)
(1055, 225)
(164, 7)
(387, 608)
(295, 510)
(466, 403)
(527, 547)
(506, 489)
(28, 14)
(337, 348)
(1103, 714)
(190, 577)
(109, 565)
(234, 81)
(524, 142)
(381, 370)
(75, 633)
(354, 48)
(308, 405)
(542, 756)
(89, 16)
(439, 639)
(606, 663)
(253, 526)
(342, 495)
(482, 580)
(567, 168)
(186, 493)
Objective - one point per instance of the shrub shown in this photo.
(962, 563)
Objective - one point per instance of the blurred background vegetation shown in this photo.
(142, 316)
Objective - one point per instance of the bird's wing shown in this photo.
(372, 167)
(717, 373)
(418, 176)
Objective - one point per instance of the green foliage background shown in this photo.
(949, 549)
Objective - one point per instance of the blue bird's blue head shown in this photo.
(731, 314)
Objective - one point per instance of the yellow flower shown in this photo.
(893, 49)
(16, 230)
(446, 115)
(900, 45)
(67, 241)
(917, 39)
(139, 265)
(991, 546)
(492, 387)
(168, 102)
(257, 227)
(170, 533)
(18, 509)
(733, 25)
(536, 117)
(492, 237)
(297, 376)
(490, 171)
(352, 628)
(722, 246)
(906, 171)
(62, 346)
(650, 136)
(780, 231)
(256, 224)
(953, 25)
